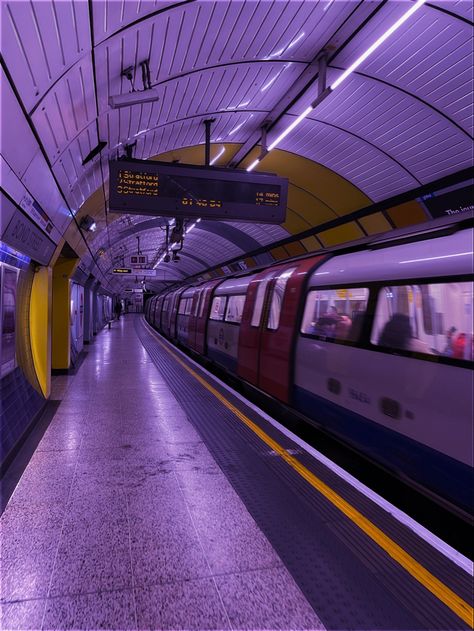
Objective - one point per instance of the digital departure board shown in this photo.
(146, 187)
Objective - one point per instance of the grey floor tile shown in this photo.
(28, 576)
(186, 605)
(113, 610)
(22, 615)
(96, 567)
(163, 557)
(266, 599)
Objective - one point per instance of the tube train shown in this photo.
(373, 342)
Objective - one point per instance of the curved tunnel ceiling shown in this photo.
(403, 119)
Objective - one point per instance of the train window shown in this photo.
(189, 303)
(278, 292)
(259, 298)
(235, 307)
(434, 319)
(218, 308)
(182, 306)
(335, 314)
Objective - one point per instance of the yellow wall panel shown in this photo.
(407, 214)
(337, 192)
(295, 223)
(295, 248)
(309, 207)
(279, 254)
(311, 244)
(375, 224)
(40, 327)
(250, 262)
(341, 234)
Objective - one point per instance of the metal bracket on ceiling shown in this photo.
(146, 78)
(263, 142)
(207, 148)
(322, 59)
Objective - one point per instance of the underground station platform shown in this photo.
(158, 498)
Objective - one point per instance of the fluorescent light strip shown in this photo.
(253, 165)
(414, 7)
(375, 45)
(218, 156)
(290, 128)
(436, 258)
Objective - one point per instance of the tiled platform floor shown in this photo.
(123, 520)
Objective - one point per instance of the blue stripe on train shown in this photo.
(430, 468)
(223, 359)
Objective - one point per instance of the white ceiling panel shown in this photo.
(376, 174)
(40, 41)
(67, 110)
(432, 59)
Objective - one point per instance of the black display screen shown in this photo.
(158, 188)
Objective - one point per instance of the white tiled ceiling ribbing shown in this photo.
(463, 8)
(364, 165)
(263, 233)
(234, 61)
(40, 41)
(430, 58)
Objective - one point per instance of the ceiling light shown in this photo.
(414, 7)
(88, 224)
(133, 98)
(216, 158)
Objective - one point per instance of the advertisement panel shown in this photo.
(8, 319)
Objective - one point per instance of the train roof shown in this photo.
(449, 255)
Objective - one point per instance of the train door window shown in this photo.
(335, 314)
(218, 308)
(235, 308)
(278, 293)
(204, 295)
(259, 299)
(189, 302)
(433, 319)
(182, 306)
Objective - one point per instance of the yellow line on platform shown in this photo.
(459, 606)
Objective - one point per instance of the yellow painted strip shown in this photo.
(459, 606)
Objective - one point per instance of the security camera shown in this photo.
(176, 257)
(167, 258)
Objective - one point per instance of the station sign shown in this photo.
(122, 270)
(454, 202)
(144, 272)
(148, 187)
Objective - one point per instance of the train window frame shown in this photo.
(418, 354)
(374, 287)
(229, 298)
(224, 297)
(338, 340)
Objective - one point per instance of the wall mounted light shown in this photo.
(88, 224)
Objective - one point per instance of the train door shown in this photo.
(174, 311)
(265, 356)
(202, 315)
(193, 318)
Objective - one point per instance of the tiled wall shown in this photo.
(20, 404)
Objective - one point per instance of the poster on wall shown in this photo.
(9, 282)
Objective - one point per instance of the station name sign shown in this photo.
(147, 187)
(122, 270)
